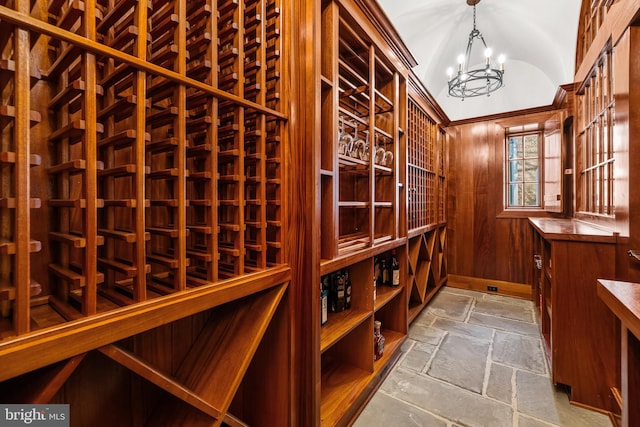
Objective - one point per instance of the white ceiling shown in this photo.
(538, 38)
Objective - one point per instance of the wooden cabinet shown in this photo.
(580, 334)
(623, 298)
(362, 175)
(362, 138)
(143, 209)
(349, 373)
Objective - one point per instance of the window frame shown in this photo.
(595, 157)
(507, 164)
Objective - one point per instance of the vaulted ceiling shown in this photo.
(538, 38)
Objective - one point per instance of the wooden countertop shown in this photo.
(623, 298)
(572, 229)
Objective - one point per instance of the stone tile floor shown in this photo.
(474, 359)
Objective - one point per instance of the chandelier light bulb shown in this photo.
(460, 59)
(450, 72)
(487, 53)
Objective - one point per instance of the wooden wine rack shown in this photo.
(141, 156)
(426, 204)
(161, 149)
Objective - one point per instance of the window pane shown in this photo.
(531, 146)
(531, 170)
(515, 195)
(515, 170)
(515, 147)
(531, 194)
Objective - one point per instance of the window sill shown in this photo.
(526, 213)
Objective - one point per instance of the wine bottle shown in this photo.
(323, 305)
(378, 340)
(384, 268)
(395, 269)
(338, 293)
(347, 290)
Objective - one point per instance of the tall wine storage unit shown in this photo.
(426, 199)
(142, 214)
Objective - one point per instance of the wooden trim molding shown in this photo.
(501, 116)
(419, 92)
(517, 290)
(383, 24)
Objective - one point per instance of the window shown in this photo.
(523, 150)
(595, 159)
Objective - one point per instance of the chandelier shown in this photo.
(469, 82)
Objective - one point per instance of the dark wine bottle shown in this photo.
(395, 269)
(347, 290)
(385, 270)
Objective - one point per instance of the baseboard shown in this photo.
(517, 290)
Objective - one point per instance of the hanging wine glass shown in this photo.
(345, 141)
(357, 143)
(379, 158)
(364, 152)
(388, 156)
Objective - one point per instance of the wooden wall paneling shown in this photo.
(453, 193)
(484, 206)
(465, 207)
(513, 248)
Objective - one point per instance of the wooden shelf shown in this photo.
(384, 294)
(340, 324)
(344, 385)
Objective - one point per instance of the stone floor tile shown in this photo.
(457, 291)
(501, 309)
(419, 399)
(416, 358)
(519, 351)
(524, 421)
(538, 398)
(425, 334)
(384, 410)
(504, 324)
(406, 345)
(447, 401)
(575, 416)
(425, 318)
(462, 328)
(535, 397)
(499, 384)
(451, 306)
(461, 361)
(524, 303)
